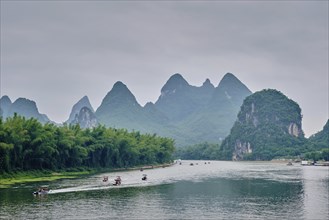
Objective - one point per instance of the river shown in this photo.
(206, 190)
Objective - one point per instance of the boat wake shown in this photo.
(93, 188)
(176, 173)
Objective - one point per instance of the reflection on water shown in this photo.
(316, 192)
(238, 190)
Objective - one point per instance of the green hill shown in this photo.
(320, 140)
(268, 126)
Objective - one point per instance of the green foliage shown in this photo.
(26, 144)
(263, 123)
(203, 151)
(321, 139)
(325, 154)
(270, 106)
(317, 155)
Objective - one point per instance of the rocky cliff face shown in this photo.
(240, 149)
(267, 122)
(85, 118)
(294, 129)
(83, 102)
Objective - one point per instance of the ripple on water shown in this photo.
(219, 190)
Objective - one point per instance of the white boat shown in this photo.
(305, 163)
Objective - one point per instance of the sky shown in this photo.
(56, 52)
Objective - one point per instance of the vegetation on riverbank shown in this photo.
(202, 151)
(207, 151)
(26, 145)
(9, 179)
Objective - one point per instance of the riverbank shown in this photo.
(8, 180)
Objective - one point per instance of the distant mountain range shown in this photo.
(21, 106)
(186, 113)
(268, 126)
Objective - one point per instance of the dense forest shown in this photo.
(206, 151)
(202, 151)
(314, 148)
(26, 144)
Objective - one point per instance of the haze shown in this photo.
(55, 52)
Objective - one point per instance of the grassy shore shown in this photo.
(8, 180)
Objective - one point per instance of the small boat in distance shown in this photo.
(144, 177)
(117, 181)
(43, 190)
(105, 178)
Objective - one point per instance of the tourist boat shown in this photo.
(105, 178)
(304, 163)
(117, 181)
(43, 190)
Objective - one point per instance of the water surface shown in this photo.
(206, 190)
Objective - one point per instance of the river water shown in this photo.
(206, 190)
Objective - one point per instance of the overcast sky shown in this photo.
(55, 52)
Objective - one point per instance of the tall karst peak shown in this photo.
(119, 86)
(24, 101)
(270, 105)
(83, 102)
(84, 99)
(28, 109)
(175, 82)
(121, 91)
(267, 119)
(120, 109)
(229, 80)
(86, 118)
(5, 99)
(119, 97)
(231, 88)
(5, 104)
(207, 84)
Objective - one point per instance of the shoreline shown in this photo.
(49, 176)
